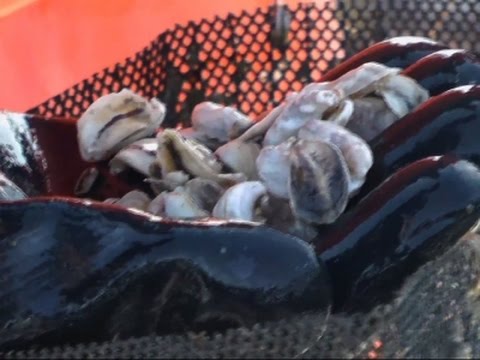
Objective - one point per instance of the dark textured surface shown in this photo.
(131, 276)
(436, 314)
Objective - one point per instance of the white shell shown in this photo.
(134, 199)
(196, 159)
(157, 205)
(240, 157)
(110, 200)
(262, 126)
(273, 166)
(139, 156)
(115, 121)
(370, 117)
(342, 115)
(85, 181)
(177, 204)
(401, 94)
(355, 151)
(310, 103)
(238, 202)
(361, 80)
(219, 122)
(169, 182)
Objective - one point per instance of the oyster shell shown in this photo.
(273, 166)
(86, 180)
(134, 199)
(139, 156)
(110, 200)
(355, 151)
(261, 127)
(192, 134)
(115, 121)
(370, 117)
(401, 94)
(318, 181)
(170, 182)
(240, 157)
(365, 112)
(362, 80)
(9, 190)
(177, 204)
(239, 201)
(204, 192)
(218, 123)
(177, 153)
(279, 215)
(311, 103)
(342, 114)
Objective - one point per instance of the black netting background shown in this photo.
(245, 59)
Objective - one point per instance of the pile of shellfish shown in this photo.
(294, 169)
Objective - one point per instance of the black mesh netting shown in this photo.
(244, 60)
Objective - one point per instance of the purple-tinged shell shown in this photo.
(447, 123)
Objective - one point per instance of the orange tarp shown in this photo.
(48, 45)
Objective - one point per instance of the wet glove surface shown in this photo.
(435, 314)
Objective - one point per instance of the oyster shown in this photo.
(115, 121)
(139, 156)
(110, 200)
(134, 199)
(239, 201)
(370, 117)
(240, 157)
(261, 127)
(9, 190)
(318, 182)
(157, 205)
(169, 182)
(379, 97)
(311, 103)
(218, 123)
(205, 193)
(273, 166)
(191, 134)
(177, 153)
(343, 113)
(355, 151)
(362, 80)
(278, 215)
(177, 204)
(401, 94)
(86, 180)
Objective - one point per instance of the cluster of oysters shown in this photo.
(293, 169)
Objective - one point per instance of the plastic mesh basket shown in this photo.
(253, 59)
